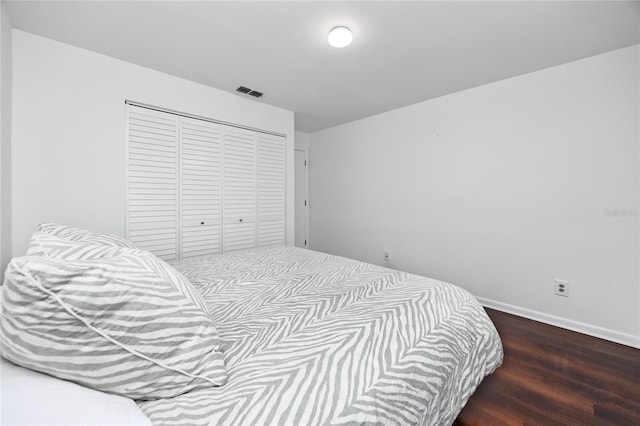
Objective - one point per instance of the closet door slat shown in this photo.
(271, 190)
(239, 188)
(200, 194)
(152, 192)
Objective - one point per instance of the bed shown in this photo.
(311, 338)
(271, 336)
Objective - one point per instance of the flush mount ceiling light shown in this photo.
(340, 37)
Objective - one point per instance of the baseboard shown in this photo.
(580, 327)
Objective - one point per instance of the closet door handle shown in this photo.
(202, 223)
(240, 220)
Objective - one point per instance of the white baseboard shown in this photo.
(580, 327)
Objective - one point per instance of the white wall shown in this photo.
(69, 132)
(500, 189)
(5, 140)
(302, 140)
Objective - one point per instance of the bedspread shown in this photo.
(311, 338)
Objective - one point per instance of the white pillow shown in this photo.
(31, 398)
(43, 244)
(113, 323)
(75, 235)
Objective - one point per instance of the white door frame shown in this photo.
(306, 193)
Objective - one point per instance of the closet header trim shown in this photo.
(199, 117)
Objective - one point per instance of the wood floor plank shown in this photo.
(553, 376)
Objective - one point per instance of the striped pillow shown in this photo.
(112, 324)
(43, 244)
(83, 236)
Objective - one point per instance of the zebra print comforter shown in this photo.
(310, 338)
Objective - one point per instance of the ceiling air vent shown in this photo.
(250, 92)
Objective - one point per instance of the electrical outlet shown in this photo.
(387, 255)
(561, 288)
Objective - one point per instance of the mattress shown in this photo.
(311, 338)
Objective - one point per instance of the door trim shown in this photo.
(306, 193)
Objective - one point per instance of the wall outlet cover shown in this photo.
(561, 288)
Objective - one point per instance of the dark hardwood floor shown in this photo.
(552, 376)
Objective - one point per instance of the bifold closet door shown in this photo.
(200, 187)
(271, 190)
(197, 187)
(152, 193)
(239, 189)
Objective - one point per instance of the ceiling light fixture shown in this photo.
(340, 37)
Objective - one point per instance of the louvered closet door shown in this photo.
(271, 190)
(200, 189)
(239, 189)
(152, 205)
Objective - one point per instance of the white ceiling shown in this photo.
(402, 53)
